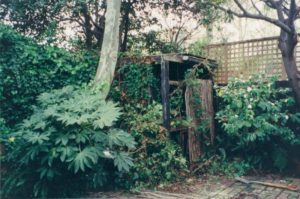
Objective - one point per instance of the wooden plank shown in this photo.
(165, 88)
(173, 58)
(199, 107)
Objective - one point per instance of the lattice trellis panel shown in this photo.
(243, 59)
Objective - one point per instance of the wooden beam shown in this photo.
(165, 87)
(199, 107)
(173, 58)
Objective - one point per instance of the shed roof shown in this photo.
(172, 57)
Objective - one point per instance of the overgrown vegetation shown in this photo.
(158, 159)
(28, 69)
(73, 135)
(259, 121)
(61, 138)
(69, 138)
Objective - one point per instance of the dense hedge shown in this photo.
(28, 69)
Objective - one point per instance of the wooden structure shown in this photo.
(199, 107)
(245, 58)
(172, 68)
(185, 62)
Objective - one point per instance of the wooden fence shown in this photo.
(247, 58)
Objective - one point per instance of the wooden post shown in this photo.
(199, 107)
(165, 87)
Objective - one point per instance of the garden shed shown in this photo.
(170, 70)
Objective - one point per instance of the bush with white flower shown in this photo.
(259, 119)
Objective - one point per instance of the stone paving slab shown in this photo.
(217, 188)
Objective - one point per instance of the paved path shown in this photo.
(215, 188)
(237, 190)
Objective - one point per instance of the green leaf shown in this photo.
(120, 138)
(280, 158)
(100, 137)
(123, 161)
(37, 138)
(85, 158)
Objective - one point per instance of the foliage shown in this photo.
(28, 69)
(136, 84)
(197, 47)
(88, 17)
(219, 165)
(158, 159)
(152, 42)
(69, 138)
(258, 121)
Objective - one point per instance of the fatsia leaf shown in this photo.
(100, 137)
(123, 161)
(81, 138)
(62, 139)
(106, 115)
(66, 152)
(120, 138)
(37, 138)
(85, 158)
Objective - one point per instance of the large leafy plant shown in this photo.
(68, 144)
(28, 69)
(259, 120)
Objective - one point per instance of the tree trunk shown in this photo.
(287, 44)
(126, 24)
(294, 77)
(110, 45)
(87, 26)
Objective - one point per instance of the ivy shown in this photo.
(28, 69)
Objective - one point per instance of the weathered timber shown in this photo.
(165, 88)
(156, 59)
(199, 107)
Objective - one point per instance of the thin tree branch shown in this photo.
(256, 8)
(246, 14)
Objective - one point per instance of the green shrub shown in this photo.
(28, 69)
(157, 158)
(259, 122)
(66, 146)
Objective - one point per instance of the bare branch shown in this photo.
(256, 8)
(246, 14)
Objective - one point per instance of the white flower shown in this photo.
(107, 154)
(249, 106)
(286, 117)
(249, 89)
